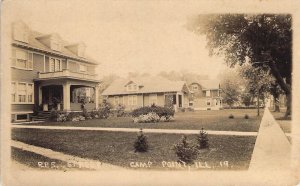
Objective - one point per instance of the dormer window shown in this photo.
(55, 45)
(132, 87)
(53, 41)
(194, 87)
(20, 32)
(77, 49)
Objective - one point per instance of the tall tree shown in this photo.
(264, 40)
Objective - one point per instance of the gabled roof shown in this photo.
(34, 43)
(208, 84)
(147, 85)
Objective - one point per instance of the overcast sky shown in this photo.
(124, 36)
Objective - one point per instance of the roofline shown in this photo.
(66, 77)
(114, 94)
(28, 46)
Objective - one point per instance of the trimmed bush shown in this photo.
(185, 152)
(246, 116)
(160, 111)
(231, 116)
(141, 143)
(202, 140)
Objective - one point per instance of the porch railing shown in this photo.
(67, 73)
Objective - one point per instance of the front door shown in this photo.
(180, 101)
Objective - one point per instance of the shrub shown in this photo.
(202, 140)
(246, 116)
(185, 152)
(141, 143)
(62, 117)
(104, 110)
(148, 118)
(94, 114)
(54, 115)
(86, 114)
(120, 110)
(231, 116)
(190, 109)
(160, 111)
(73, 116)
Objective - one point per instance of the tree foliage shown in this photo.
(240, 38)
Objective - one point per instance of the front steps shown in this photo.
(41, 116)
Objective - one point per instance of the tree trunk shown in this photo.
(288, 105)
(285, 86)
(276, 103)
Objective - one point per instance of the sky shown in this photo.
(124, 36)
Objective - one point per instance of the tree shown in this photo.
(231, 86)
(258, 82)
(264, 40)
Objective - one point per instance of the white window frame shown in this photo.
(116, 100)
(132, 100)
(207, 93)
(82, 68)
(26, 94)
(152, 99)
(56, 60)
(28, 59)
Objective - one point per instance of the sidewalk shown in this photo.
(170, 131)
(272, 151)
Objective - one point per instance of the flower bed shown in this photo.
(152, 114)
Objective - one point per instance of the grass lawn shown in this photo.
(209, 120)
(285, 124)
(35, 160)
(117, 147)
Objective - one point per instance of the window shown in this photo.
(194, 87)
(55, 65)
(21, 34)
(13, 91)
(153, 99)
(208, 102)
(132, 100)
(82, 68)
(207, 93)
(20, 117)
(22, 59)
(30, 92)
(132, 87)
(22, 92)
(117, 100)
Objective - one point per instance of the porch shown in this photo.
(67, 95)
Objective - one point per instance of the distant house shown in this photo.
(145, 91)
(206, 95)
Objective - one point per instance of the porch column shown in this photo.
(66, 92)
(177, 102)
(96, 96)
(40, 95)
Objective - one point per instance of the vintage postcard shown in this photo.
(150, 92)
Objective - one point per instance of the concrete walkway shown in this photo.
(170, 131)
(272, 151)
(71, 161)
